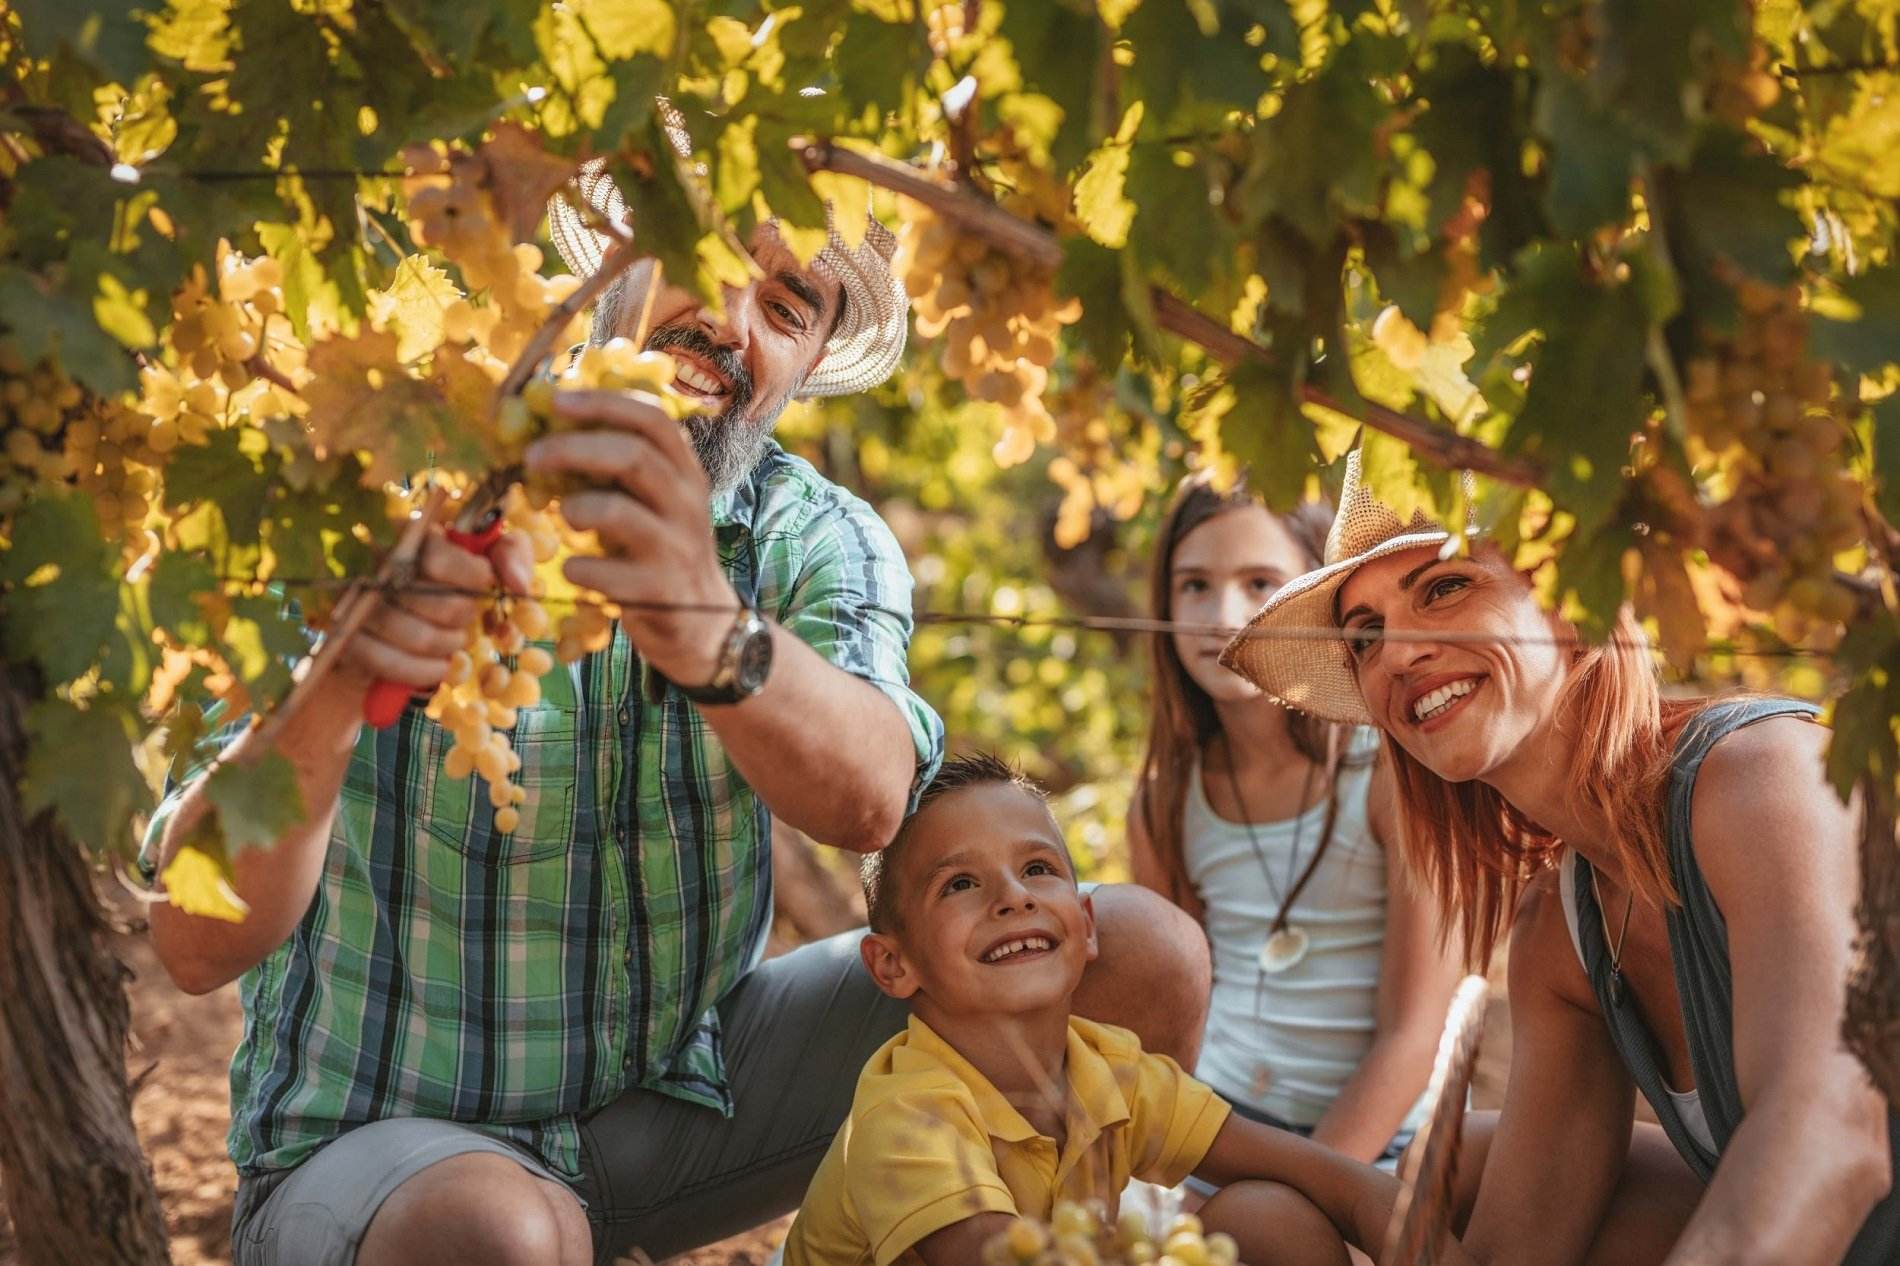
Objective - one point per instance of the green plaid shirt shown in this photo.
(514, 982)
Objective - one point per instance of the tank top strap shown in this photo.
(1698, 944)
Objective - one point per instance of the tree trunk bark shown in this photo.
(77, 1184)
(1872, 1024)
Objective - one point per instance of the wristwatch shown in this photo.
(744, 662)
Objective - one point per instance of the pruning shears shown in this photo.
(477, 527)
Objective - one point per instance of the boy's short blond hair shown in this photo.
(878, 870)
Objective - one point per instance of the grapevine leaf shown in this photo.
(1585, 395)
(876, 57)
(1865, 337)
(1268, 435)
(1596, 157)
(1315, 163)
(637, 81)
(1058, 50)
(1091, 273)
(360, 402)
(1729, 203)
(1650, 61)
(1666, 593)
(624, 28)
(1101, 206)
(257, 801)
(79, 764)
(226, 473)
(1181, 72)
(1193, 260)
(108, 37)
(51, 323)
(1887, 457)
(262, 640)
(661, 212)
(1863, 720)
(1473, 131)
(197, 880)
(176, 582)
(63, 605)
(1590, 578)
(413, 306)
(521, 177)
(307, 292)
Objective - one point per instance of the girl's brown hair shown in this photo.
(1182, 720)
(1477, 852)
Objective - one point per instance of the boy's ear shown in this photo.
(1088, 921)
(886, 963)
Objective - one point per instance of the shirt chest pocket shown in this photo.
(459, 812)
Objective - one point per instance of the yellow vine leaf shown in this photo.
(1100, 204)
(413, 305)
(521, 177)
(624, 28)
(197, 883)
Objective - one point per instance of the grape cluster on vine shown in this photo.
(1769, 410)
(58, 433)
(1079, 1235)
(998, 315)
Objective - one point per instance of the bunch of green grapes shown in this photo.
(1084, 1236)
(36, 403)
(113, 452)
(495, 674)
(618, 365)
(450, 210)
(218, 335)
(1768, 411)
(998, 317)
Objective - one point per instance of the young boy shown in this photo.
(997, 1103)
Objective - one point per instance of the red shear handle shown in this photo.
(384, 704)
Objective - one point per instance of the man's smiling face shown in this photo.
(745, 365)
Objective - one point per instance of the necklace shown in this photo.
(1616, 950)
(1286, 944)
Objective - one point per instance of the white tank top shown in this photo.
(1688, 1102)
(1286, 1044)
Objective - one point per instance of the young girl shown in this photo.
(1273, 829)
(1685, 928)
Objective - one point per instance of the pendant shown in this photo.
(1283, 949)
(1616, 987)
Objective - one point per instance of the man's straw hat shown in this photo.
(863, 349)
(1282, 650)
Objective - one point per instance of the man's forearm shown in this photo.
(828, 752)
(1793, 1189)
(277, 883)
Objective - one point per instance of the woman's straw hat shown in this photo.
(863, 349)
(1284, 649)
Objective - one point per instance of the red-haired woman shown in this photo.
(1273, 828)
(1683, 881)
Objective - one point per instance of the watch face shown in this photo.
(755, 661)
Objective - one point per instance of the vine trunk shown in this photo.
(76, 1182)
(1872, 1025)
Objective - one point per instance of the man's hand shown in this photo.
(411, 637)
(650, 510)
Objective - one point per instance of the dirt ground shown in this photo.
(182, 1050)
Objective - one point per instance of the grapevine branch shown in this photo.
(1040, 248)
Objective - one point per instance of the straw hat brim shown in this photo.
(1283, 650)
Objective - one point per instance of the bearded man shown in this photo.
(553, 1044)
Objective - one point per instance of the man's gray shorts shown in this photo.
(658, 1172)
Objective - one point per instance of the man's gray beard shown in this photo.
(730, 446)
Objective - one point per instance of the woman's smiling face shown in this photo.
(1455, 659)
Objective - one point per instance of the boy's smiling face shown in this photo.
(988, 916)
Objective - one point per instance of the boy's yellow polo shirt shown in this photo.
(930, 1142)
